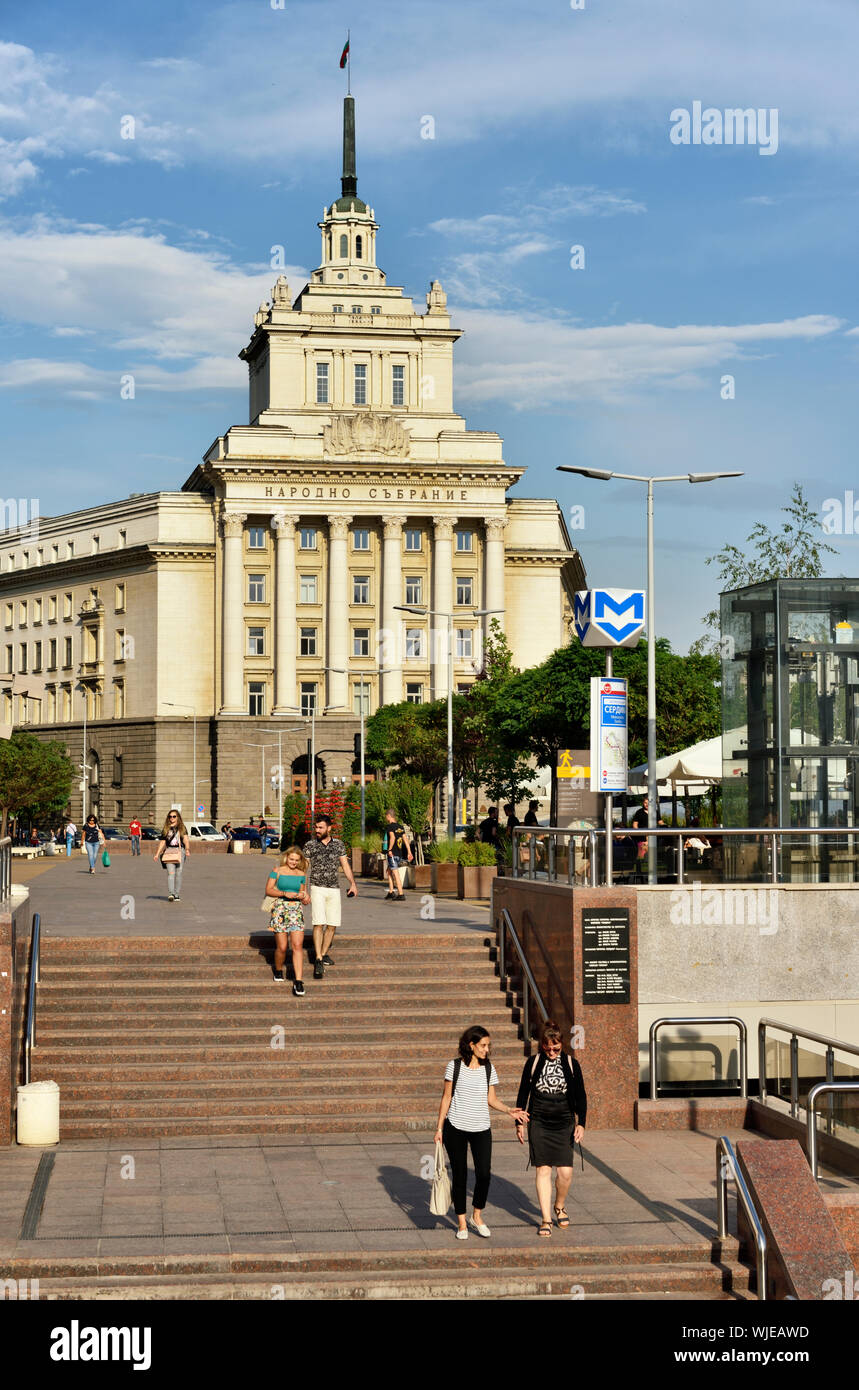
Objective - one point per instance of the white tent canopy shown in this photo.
(696, 768)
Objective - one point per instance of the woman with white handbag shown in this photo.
(174, 846)
(463, 1120)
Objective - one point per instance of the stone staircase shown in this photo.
(162, 1036)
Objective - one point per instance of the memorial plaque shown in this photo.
(605, 955)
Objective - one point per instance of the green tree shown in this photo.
(411, 798)
(792, 551)
(35, 779)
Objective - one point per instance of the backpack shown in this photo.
(456, 1069)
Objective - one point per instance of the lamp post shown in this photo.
(280, 733)
(172, 705)
(604, 475)
(311, 772)
(262, 747)
(364, 685)
(422, 612)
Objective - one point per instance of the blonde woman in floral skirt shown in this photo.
(288, 886)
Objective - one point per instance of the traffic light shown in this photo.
(357, 745)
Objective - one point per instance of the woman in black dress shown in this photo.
(552, 1091)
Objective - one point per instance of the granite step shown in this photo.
(89, 948)
(349, 1033)
(122, 999)
(247, 1087)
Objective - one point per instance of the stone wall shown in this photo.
(15, 922)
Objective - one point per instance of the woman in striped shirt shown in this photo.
(463, 1119)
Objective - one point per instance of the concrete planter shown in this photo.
(468, 881)
(486, 873)
(357, 859)
(445, 878)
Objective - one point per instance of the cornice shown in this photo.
(119, 561)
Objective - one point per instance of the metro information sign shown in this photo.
(609, 734)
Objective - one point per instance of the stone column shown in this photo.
(232, 607)
(338, 609)
(442, 601)
(493, 596)
(285, 696)
(390, 650)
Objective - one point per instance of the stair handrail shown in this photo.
(530, 982)
(30, 1022)
(725, 1159)
(822, 1088)
(5, 867)
(742, 1031)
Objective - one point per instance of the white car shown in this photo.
(202, 830)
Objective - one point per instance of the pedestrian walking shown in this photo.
(463, 1119)
(397, 852)
(326, 855)
(287, 890)
(135, 829)
(174, 846)
(93, 837)
(554, 1105)
(71, 832)
(263, 835)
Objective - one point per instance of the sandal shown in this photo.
(545, 1229)
(562, 1218)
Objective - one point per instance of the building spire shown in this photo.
(349, 180)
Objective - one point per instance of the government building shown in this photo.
(168, 637)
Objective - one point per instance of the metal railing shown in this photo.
(542, 859)
(831, 1044)
(5, 868)
(697, 1019)
(30, 1021)
(725, 1159)
(821, 1089)
(530, 982)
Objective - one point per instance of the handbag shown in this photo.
(105, 858)
(440, 1185)
(171, 856)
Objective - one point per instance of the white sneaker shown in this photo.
(481, 1230)
(462, 1235)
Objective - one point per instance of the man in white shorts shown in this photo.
(326, 856)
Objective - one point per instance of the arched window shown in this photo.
(358, 247)
(344, 246)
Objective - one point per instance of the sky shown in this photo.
(152, 156)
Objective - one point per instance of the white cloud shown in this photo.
(529, 361)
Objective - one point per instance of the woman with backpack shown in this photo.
(553, 1101)
(463, 1119)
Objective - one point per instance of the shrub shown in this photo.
(467, 855)
(371, 844)
(445, 851)
(485, 854)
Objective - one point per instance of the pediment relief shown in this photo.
(365, 436)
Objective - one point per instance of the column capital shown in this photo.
(338, 527)
(393, 524)
(283, 525)
(444, 527)
(232, 523)
(495, 526)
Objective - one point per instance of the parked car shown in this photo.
(148, 832)
(112, 832)
(204, 830)
(251, 834)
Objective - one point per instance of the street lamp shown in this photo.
(172, 705)
(422, 612)
(364, 684)
(312, 769)
(280, 733)
(604, 475)
(263, 747)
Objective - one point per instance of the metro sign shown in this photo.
(609, 617)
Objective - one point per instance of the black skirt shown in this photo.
(550, 1132)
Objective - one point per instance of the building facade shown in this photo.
(348, 547)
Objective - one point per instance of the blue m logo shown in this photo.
(609, 617)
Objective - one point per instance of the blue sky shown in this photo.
(149, 255)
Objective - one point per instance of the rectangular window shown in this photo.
(414, 588)
(52, 609)
(22, 613)
(119, 598)
(321, 383)
(414, 693)
(119, 644)
(360, 588)
(7, 708)
(361, 539)
(414, 643)
(356, 308)
(55, 555)
(96, 544)
(52, 705)
(37, 610)
(256, 641)
(67, 605)
(361, 699)
(413, 539)
(256, 697)
(67, 703)
(337, 308)
(119, 700)
(256, 538)
(463, 642)
(10, 614)
(37, 656)
(360, 383)
(10, 653)
(361, 641)
(307, 589)
(308, 697)
(308, 538)
(22, 658)
(464, 590)
(398, 386)
(307, 642)
(117, 811)
(464, 540)
(70, 550)
(256, 588)
(52, 654)
(67, 653)
(375, 308)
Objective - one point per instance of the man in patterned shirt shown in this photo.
(326, 856)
